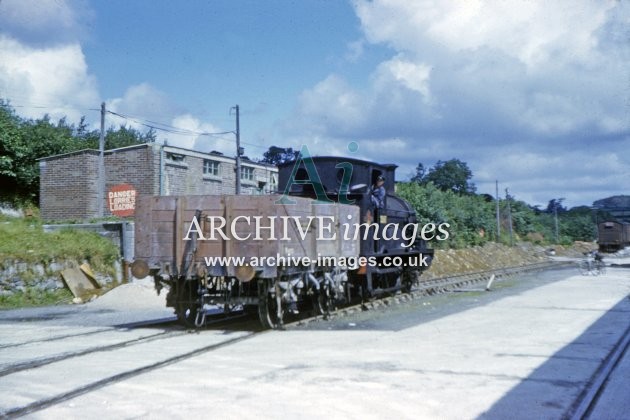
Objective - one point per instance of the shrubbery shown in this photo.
(472, 218)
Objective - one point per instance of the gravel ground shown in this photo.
(524, 350)
(127, 303)
(140, 294)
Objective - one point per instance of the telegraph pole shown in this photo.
(100, 194)
(555, 216)
(556, 203)
(498, 213)
(507, 197)
(238, 152)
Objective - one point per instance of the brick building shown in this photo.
(69, 182)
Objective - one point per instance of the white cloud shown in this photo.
(332, 106)
(43, 71)
(148, 106)
(206, 143)
(532, 31)
(55, 80)
(413, 76)
(42, 66)
(53, 77)
(44, 22)
(520, 90)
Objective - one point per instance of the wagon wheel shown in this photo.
(270, 309)
(187, 304)
(324, 299)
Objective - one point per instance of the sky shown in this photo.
(534, 94)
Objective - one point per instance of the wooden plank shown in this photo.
(87, 270)
(204, 203)
(161, 216)
(326, 248)
(164, 203)
(77, 282)
(170, 218)
(142, 228)
(179, 234)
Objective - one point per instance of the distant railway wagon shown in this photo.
(613, 236)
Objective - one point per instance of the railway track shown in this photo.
(439, 285)
(55, 338)
(156, 350)
(588, 399)
(108, 363)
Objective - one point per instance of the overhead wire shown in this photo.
(168, 128)
(179, 131)
(155, 125)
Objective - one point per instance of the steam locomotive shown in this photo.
(319, 243)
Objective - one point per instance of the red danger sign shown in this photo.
(122, 200)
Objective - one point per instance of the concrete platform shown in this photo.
(528, 353)
(614, 399)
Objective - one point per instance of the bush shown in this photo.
(472, 218)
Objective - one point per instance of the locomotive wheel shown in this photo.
(187, 304)
(268, 302)
(250, 309)
(407, 282)
(409, 279)
(406, 286)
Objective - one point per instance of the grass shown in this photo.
(35, 297)
(24, 240)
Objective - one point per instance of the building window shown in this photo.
(247, 173)
(175, 157)
(211, 167)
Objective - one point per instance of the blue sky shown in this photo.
(535, 94)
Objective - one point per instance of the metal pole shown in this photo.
(507, 197)
(238, 153)
(498, 213)
(100, 194)
(555, 216)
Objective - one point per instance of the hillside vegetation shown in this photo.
(24, 240)
(473, 221)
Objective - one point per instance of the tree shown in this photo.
(21, 144)
(278, 155)
(579, 224)
(451, 175)
(126, 136)
(420, 173)
(555, 205)
(12, 150)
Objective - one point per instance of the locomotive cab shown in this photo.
(386, 232)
